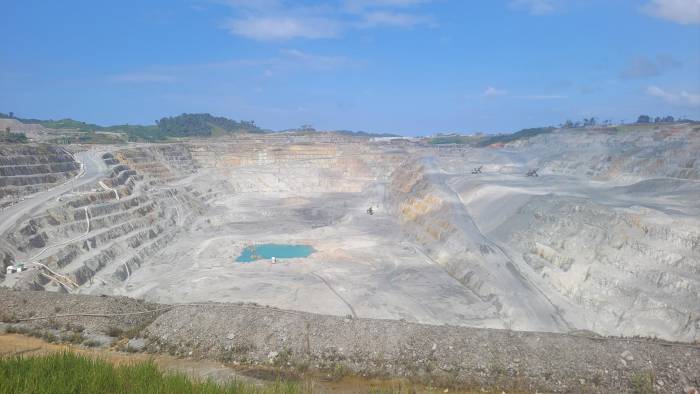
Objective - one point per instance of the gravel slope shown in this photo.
(458, 356)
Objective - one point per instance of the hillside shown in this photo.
(203, 125)
(185, 125)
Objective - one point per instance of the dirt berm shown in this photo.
(444, 355)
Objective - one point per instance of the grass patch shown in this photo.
(520, 135)
(71, 373)
(114, 332)
(129, 333)
(92, 343)
(454, 139)
(642, 383)
(74, 337)
(339, 371)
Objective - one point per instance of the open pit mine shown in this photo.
(604, 236)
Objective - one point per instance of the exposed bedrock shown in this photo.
(106, 231)
(436, 220)
(608, 266)
(605, 245)
(630, 272)
(252, 167)
(29, 168)
(657, 151)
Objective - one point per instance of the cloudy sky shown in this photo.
(409, 66)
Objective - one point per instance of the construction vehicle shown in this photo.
(532, 173)
(11, 269)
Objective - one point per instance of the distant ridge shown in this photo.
(184, 125)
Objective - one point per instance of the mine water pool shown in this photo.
(278, 251)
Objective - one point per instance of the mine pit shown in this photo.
(373, 229)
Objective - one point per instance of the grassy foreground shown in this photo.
(71, 373)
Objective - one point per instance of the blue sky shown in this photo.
(414, 67)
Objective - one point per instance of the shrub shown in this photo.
(642, 383)
(114, 332)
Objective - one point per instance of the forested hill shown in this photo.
(189, 125)
(185, 125)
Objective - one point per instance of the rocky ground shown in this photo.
(298, 341)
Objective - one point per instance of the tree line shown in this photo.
(642, 119)
(648, 119)
(189, 125)
(185, 125)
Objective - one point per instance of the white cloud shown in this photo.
(685, 12)
(358, 5)
(279, 28)
(388, 18)
(534, 7)
(491, 92)
(314, 61)
(682, 98)
(287, 61)
(278, 20)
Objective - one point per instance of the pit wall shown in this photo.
(30, 168)
(433, 217)
(630, 272)
(669, 151)
(294, 167)
(609, 270)
(102, 233)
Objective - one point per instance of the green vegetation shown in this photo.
(91, 137)
(520, 135)
(135, 133)
(55, 124)
(645, 119)
(13, 138)
(480, 140)
(64, 124)
(454, 139)
(642, 383)
(364, 134)
(71, 373)
(185, 125)
(132, 332)
(203, 125)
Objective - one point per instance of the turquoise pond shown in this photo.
(278, 251)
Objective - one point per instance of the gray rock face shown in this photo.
(608, 235)
(136, 344)
(29, 168)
